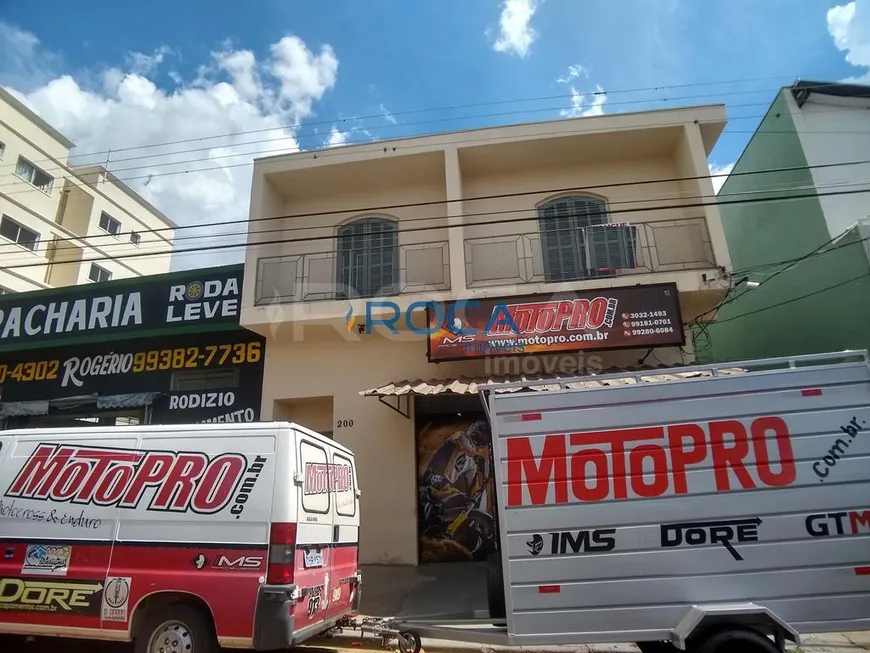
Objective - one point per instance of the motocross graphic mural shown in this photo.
(455, 488)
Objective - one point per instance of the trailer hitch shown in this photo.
(386, 629)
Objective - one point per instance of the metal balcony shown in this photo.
(598, 252)
(335, 275)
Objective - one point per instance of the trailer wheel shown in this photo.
(736, 640)
(495, 587)
(409, 642)
(176, 628)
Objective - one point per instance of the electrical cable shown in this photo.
(794, 299)
(332, 237)
(329, 151)
(115, 242)
(389, 207)
(449, 108)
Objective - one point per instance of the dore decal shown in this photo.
(67, 596)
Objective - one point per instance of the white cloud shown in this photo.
(258, 102)
(515, 31)
(573, 73)
(143, 64)
(719, 181)
(389, 116)
(585, 105)
(336, 137)
(849, 26)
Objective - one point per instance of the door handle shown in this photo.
(335, 533)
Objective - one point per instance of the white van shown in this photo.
(199, 536)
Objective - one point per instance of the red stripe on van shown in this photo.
(549, 589)
(862, 571)
(812, 392)
(531, 417)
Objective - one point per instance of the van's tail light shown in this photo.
(282, 554)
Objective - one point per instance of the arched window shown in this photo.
(368, 258)
(576, 242)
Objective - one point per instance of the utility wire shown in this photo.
(328, 151)
(332, 237)
(446, 202)
(114, 242)
(794, 299)
(290, 127)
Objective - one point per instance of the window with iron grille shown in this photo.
(368, 258)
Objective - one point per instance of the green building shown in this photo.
(795, 212)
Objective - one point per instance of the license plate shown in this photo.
(313, 559)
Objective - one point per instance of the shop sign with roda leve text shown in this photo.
(610, 318)
(128, 308)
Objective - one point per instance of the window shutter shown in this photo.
(565, 233)
(612, 248)
(368, 258)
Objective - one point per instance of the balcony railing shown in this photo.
(335, 275)
(590, 253)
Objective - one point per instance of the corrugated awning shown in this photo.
(471, 386)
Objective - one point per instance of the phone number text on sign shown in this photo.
(73, 369)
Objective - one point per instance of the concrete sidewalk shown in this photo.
(849, 642)
(447, 588)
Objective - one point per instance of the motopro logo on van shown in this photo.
(104, 477)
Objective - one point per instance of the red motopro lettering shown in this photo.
(523, 471)
(177, 490)
(70, 480)
(725, 457)
(151, 472)
(218, 483)
(682, 457)
(40, 472)
(103, 461)
(787, 469)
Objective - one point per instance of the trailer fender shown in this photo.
(701, 618)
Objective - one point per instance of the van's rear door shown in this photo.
(345, 535)
(313, 532)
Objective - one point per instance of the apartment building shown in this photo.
(393, 279)
(63, 225)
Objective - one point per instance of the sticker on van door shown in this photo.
(116, 598)
(46, 559)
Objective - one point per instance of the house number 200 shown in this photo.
(344, 423)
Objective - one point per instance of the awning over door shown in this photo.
(401, 391)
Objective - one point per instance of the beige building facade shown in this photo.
(592, 222)
(65, 225)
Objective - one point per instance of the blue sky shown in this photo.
(347, 71)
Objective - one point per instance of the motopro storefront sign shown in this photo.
(610, 318)
(190, 301)
(175, 369)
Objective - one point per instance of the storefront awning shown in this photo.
(466, 386)
(135, 400)
(105, 402)
(400, 392)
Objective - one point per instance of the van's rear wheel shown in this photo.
(176, 628)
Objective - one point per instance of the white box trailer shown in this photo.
(714, 513)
